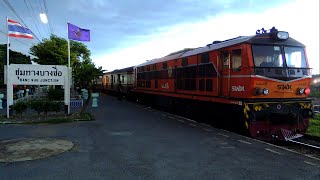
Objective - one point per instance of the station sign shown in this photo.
(27, 74)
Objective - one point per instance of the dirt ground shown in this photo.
(30, 149)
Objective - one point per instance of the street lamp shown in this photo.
(43, 18)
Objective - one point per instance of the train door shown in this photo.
(224, 74)
(237, 81)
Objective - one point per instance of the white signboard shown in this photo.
(27, 74)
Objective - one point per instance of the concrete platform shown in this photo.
(131, 141)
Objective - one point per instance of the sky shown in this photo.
(128, 32)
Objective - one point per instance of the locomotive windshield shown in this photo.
(280, 62)
(267, 56)
(295, 57)
(271, 56)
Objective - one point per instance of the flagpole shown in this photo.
(8, 69)
(68, 86)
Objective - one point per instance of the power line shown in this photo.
(6, 8)
(47, 13)
(17, 15)
(42, 11)
(14, 11)
(32, 17)
(16, 39)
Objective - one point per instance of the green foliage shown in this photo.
(55, 106)
(54, 51)
(55, 94)
(85, 72)
(20, 107)
(36, 105)
(315, 93)
(314, 126)
(45, 106)
(15, 58)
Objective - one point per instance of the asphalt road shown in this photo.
(131, 141)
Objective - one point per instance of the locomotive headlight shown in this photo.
(282, 35)
(301, 90)
(258, 91)
(265, 91)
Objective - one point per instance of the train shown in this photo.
(262, 79)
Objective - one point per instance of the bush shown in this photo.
(45, 106)
(20, 107)
(37, 105)
(56, 94)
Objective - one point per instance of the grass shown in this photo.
(48, 119)
(314, 126)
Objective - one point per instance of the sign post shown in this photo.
(26, 74)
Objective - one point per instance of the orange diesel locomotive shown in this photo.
(266, 77)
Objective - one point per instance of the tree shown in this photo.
(54, 51)
(85, 72)
(14, 58)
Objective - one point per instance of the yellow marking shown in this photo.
(247, 125)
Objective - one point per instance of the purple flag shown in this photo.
(76, 33)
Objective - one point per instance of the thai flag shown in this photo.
(15, 29)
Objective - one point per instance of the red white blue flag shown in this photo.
(15, 29)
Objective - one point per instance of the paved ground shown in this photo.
(129, 141)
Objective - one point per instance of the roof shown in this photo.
(256, 39)
(128, 69)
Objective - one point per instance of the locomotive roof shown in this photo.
(121, 70)
(256, 39)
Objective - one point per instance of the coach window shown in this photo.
(148, 68)
(201, 85)
(122, 80)
(154, 67)
(184, 62)
(209, 85)
(236, 59)
(205, 58)
(224, 55)
(164, 65)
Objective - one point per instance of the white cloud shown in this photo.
(299, 18)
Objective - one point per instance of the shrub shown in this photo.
(20, 107)
(37, 105)
(56, 94)
(45, 106)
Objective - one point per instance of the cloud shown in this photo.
(289, 17)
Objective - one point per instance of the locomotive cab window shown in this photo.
(267, 56)
(295, 57)
(236, 59)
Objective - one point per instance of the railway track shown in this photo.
(303, 145)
